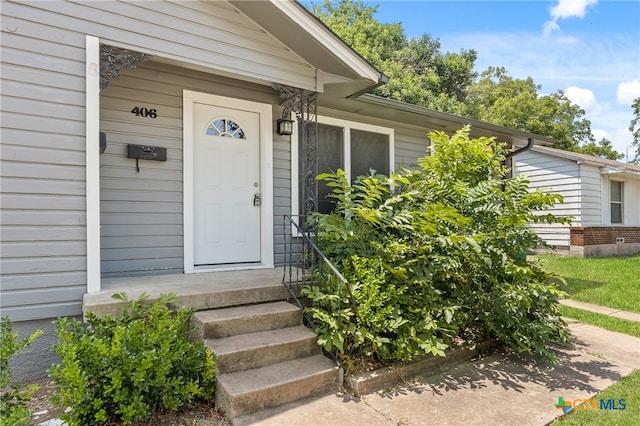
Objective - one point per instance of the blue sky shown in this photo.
(590, 49)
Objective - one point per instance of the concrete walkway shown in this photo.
(631, 316)
(496, 390)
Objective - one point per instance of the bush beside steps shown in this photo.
(121, 370)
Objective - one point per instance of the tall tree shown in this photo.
(602, 149)
(419, 73)
(498, 98)
(634, 128)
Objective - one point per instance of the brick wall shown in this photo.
(597, 235)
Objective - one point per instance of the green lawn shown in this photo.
(612, 282)
(628, 388)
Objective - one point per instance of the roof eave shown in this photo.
(606, 166)
(304, 33)
(452, 118)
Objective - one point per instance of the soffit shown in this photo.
(307, 36)
(296, 27)
(588, 159)
(401, 112)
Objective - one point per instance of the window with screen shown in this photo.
(616, 201)
(356, 148)
(329, 157)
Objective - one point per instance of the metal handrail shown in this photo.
(303, 259)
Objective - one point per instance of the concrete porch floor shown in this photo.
(205, 290)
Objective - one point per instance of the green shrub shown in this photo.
(123, 369)
(13, 399)
(434, 254)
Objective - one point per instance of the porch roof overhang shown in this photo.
(607, 167)
(348, 77)
(312, 40)
(619, 171)
(383, 108)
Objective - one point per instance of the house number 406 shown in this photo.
(144, 112)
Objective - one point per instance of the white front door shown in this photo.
(227, 188)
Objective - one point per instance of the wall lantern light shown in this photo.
(103, 142)
(285, 124)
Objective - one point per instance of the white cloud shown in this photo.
(623, 142)
(627, 92)
(599, 134)
(584, 98)
(549, 27)
(566, 9)
(571, 8)
(586, 60)
(621, 139)
(568, 40)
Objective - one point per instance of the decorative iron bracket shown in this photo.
(305, 105)
(113, 59)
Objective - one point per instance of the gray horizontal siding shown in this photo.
(632, 202)
(44, 281)
(554, 176)
(27, 218)
(25, 65)
(281, 191)
(37, 75)
(54, 295)
(42, 264)
(40, 233)
(43, 157)
(592, 196)
(125, 230)
(43, 202)
(141, 212)
(22, 170)
(532, 163)
(557, 236)
(409, 146)
(197, 33)
(46, 309)
(43, 249)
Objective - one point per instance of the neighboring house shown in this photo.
(195, 175)
(601, 196)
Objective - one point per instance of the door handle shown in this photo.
(257, 199)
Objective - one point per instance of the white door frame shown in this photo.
(189, 98)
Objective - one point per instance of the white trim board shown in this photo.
(92, 149)
(189, 98)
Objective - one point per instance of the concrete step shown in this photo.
(255, 350)
(217, 323)
(265, 357)
(247, 392)
(199, 291)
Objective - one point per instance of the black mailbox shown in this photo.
(146, 152)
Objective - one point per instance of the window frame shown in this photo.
(347, 126)
(620, 203)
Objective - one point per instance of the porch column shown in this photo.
(304, 104)
(92, 153)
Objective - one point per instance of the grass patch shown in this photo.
(611, 282)
(628, 389)
(620, 325)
